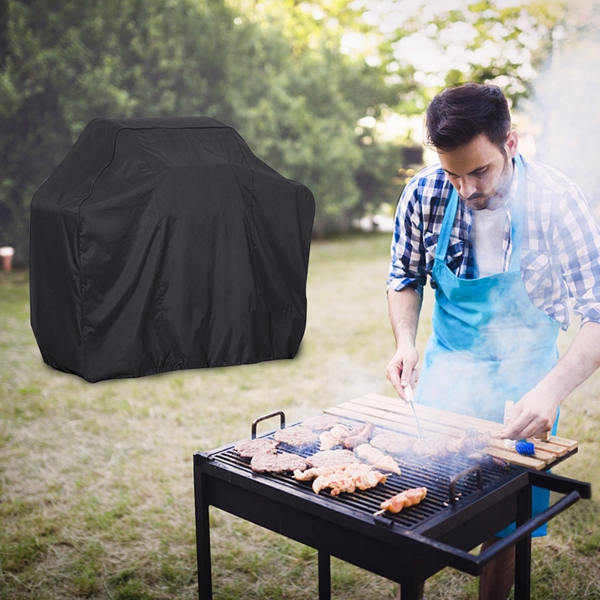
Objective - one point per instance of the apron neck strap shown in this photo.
(518, 211)
(517, 219)
(447, 223)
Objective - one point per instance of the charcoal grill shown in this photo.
(467, 503)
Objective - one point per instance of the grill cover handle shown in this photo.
(256, 421)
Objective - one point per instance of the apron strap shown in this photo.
(447, 223)
(518, 213)
(516, 226)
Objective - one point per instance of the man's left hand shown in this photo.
(536, 411)
(531, 416)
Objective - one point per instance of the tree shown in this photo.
(299, 97)
(67, 63)
(307, 83)
(479, 41)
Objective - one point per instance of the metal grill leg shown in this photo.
(324, 575)
(411, 589)
(202, 536)
(523, 549)
(523, 569)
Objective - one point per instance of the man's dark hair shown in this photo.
(457, 115)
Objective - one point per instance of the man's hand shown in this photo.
(404, 307)
(536, 411)
(531, 416)
(401, 369)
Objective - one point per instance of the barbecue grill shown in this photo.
(467, 502)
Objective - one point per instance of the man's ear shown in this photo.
(512, 143)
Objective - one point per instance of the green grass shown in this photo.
(96, 497)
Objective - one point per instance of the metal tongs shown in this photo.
(411, 400)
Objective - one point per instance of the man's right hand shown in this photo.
(401, 370)
(404, 307)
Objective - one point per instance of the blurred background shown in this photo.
(328, 92)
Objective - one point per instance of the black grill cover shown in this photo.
(164, 244)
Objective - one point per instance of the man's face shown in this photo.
(480, 172)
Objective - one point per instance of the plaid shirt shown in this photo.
(561, 240)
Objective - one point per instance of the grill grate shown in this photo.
(434, 474)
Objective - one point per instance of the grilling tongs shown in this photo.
(410, 399)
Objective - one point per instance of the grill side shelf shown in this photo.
(396, 415)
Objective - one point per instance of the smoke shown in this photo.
(565, 105)
(481, 373)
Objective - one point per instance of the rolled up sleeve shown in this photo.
(408, 265)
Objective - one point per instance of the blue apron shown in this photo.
(489, 344)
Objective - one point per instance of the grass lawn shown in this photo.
(96, 497)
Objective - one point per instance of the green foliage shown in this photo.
(493, 42)
(276, 70)
(68, 63)
(299, 114)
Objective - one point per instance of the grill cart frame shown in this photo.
(406, 555)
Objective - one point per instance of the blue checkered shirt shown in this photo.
(560, 260)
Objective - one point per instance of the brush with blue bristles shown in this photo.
(525, 448)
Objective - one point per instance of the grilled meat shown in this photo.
(438, 447)
(442, 446)
(296, 436)
(320, 422)
(377, 458)
(248, 448)
(393, 443)
(277, 463)
(486, 459)
(313, 472)
(333, 437)
(404, 499)
(362, 436)
(348, 478)
(475, 440)
(332, 458)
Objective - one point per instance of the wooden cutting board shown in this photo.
(395, 414)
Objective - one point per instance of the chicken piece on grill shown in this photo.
(314, 472)
(362, 436)
(333, 437)
(332, 458)
(370, 479)
(349, 479)
(486, 459)
(393, 443)
(438, 447)
(377, 458)
(475, 440)
(359, 481)
(404, 499)
(328, 470)
(442, 446)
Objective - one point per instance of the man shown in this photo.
(507, 244)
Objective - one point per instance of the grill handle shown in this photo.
(454, 480)
(465, 561)
(528, 527)
(256, 421)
